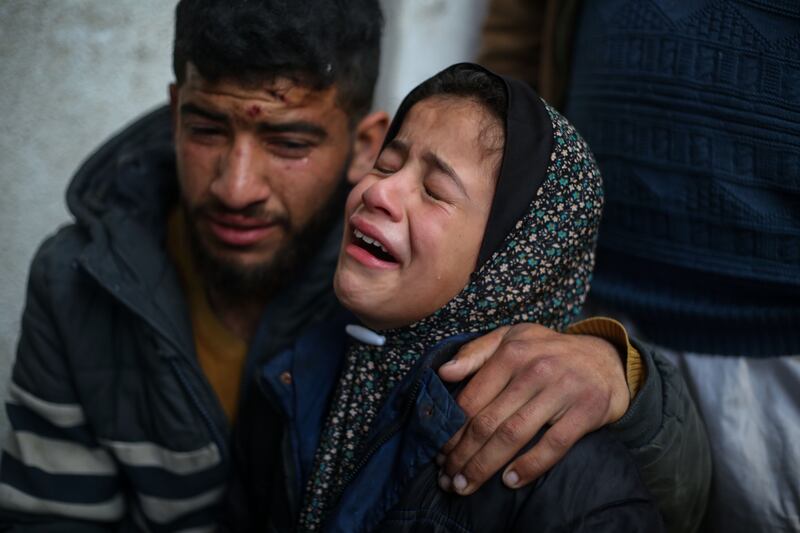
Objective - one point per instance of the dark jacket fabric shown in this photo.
(113, 424)
(595, 488)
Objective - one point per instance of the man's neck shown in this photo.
(239, 315)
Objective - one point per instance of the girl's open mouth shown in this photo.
(372, 246)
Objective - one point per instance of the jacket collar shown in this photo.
(121, 195)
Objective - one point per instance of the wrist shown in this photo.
(614, 332)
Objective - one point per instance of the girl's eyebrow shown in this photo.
(433, 160)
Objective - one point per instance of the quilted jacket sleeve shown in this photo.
(664, 432)
(54, 476)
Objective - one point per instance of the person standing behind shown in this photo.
(693, 111)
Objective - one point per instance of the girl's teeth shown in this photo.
(369, 240)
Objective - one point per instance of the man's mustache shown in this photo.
(258, 213)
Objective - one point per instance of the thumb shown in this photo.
(472, 356)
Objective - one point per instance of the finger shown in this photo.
(453, 442)
(472, 356)
(509, 437)
(471, 436)
(483, 389)
(506, 364)
(552, 447)
(481, 428)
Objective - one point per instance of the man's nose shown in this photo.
(240, 177)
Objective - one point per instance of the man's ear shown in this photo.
(173, 106)
(369, 135)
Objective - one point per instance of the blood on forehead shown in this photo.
(288, 92)
(282, 91)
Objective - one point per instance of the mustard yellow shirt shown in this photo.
(220, 352)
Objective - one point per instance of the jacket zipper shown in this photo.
(113, 289)
(291, 476)
(287, 450)
(216, 434)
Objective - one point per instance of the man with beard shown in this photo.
(205, 238)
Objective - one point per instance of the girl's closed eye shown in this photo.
(388, 162)
(437, 188)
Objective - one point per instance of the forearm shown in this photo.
(664, 432)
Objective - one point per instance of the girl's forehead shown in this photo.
(453, 123)
(458, 129)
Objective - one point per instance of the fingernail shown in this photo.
(439, 459)
(450, 362)
(511, 479)
(459, 483)
(444, 482)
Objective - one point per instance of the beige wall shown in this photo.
(74, 71)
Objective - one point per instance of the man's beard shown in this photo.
(240, 283)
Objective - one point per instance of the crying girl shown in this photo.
(481, 211)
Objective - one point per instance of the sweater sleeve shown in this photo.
(54, 476)
(664, 432)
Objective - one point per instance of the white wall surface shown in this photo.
(74, 71)
(423, 37)
(71, 73)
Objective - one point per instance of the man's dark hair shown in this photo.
(315, 43)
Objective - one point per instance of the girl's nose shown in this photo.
(386, 195)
